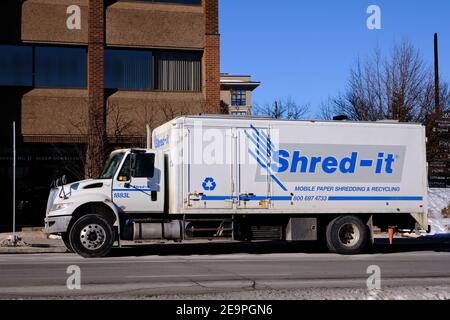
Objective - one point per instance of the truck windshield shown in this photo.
(111, 166)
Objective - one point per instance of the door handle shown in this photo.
(154, 196)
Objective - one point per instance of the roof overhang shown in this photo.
(226, 85)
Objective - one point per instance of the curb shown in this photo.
(31, 250)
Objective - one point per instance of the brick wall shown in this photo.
(96, 96)
(212, 57)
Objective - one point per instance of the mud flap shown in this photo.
(370, 226)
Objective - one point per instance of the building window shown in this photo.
(239, 113)
(193, 2)
(238, 97)
(177, 71)
(128, 69)
(16, 65)
(60, 67)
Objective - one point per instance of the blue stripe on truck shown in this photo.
(289, 198)
(132, 190)
(353, 198)
(255, 198)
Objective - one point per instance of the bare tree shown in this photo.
(119, 128)
(118, 123)
(282, 109)
(71, 158)
(399, 86)
(224, 107)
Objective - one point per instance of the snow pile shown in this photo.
(438, 200)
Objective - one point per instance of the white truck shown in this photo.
(251, 179)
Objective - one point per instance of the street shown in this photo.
(233, 271)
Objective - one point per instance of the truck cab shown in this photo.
(132, 183)
(137, 180)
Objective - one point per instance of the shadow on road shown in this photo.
(188, 249)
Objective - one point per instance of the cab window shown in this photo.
(111, 166)
(125, 172)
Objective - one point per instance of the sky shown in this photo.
(304, 49)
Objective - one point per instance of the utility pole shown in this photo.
(439, 166)
(14, 238)
(436, 75)
(149, 135)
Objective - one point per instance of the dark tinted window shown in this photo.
(60, 67)
(181, 1)
(128, 69)
(16, 65)
(145, 165)
(178, 71)
(195, 2)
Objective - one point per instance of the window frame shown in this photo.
(238, 97)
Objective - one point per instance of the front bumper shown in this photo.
(58, 224)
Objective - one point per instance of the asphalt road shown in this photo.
(248, 271)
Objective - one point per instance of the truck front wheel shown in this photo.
(91, 236)
(66, 240)
(347, 235)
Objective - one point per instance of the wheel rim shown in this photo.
(349, 234)
(92, 236)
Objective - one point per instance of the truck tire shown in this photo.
(347, 235)
(66, 240)
(91, 236)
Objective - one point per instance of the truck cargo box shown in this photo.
(257, 165)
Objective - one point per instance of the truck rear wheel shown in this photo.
(91, 236)
(347, 235)
(66, 240)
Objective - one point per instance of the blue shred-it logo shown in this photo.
(209, 184)
(325, 163)
(262, 152)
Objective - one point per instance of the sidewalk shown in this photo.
(34, 240)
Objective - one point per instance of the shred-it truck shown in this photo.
(251, 179)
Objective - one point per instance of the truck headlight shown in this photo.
(60, 206)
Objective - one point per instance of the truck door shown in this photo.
(253, 156)
(138, 185)
(209, 168)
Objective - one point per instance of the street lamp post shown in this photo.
(14, 238)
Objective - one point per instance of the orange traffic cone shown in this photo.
(391, 232)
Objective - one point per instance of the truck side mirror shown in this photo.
(142, 165)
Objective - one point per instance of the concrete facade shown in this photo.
(128, 24)
(229, 84)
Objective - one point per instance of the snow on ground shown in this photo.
(439, 199)
(387, 293)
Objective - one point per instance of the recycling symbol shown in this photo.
(209, 184)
